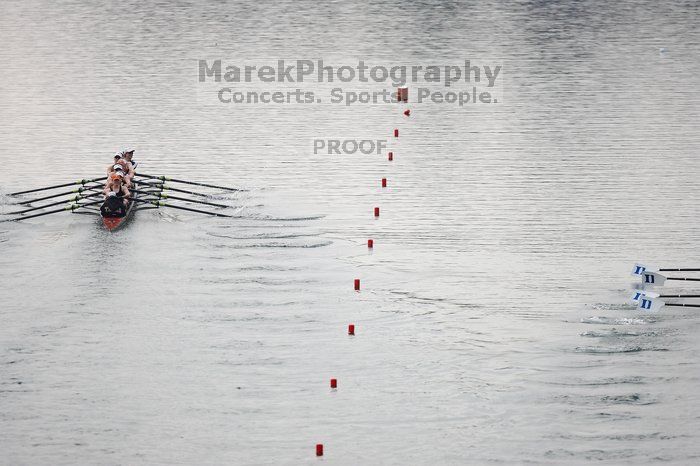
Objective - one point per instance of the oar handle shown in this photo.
(166, 187)
(163, 204)
(178, 198)
(196, 183)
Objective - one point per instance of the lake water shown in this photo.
(493, 324)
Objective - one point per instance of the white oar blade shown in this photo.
(639, 294)
(639, 269)
(653, 279)
(650, 304)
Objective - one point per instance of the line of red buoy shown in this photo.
(402, 96)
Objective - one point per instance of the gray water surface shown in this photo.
(493, 324)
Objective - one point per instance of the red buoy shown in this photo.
(407, 112)
(370, 243)
(334, 383)
(376, 211)
(391, 156)
(319, 449)
(351, 329)
(357, 284)
(383, 182)
(396, 132)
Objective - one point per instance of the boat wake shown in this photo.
(602, 320)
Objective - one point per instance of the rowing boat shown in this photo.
(149, 194)
(113, 223)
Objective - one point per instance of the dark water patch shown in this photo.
(271, 218)
(629, 399)
(593, 454)
(621, 437)
(320, 244)
(633, 380)
(267, 268)
(270, 245)
(615, 416)
(636, 399)
(613, 350)
(410, 296)
(266, 236)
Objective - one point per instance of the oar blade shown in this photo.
(650, 304)
(639, 294)
(69, 207)
(46, 188)
(638, 269)
(653, 279)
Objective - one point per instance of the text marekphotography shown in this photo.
(283, 81)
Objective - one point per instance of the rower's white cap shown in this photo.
(117, 167)
(111, 194)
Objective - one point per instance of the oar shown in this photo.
(165, 178)
(639, 269)
(653, 304)
(165, 187)
(71, 207)
(639, 294)
(653, 278)
(160, 195)
(65, 193)
(72, 199)
(163, 204)
(82, 182)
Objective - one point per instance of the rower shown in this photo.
(116, 187)
(121, 167)
(127, 164)
(127, 169)
(110, 168)
(128, 155)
